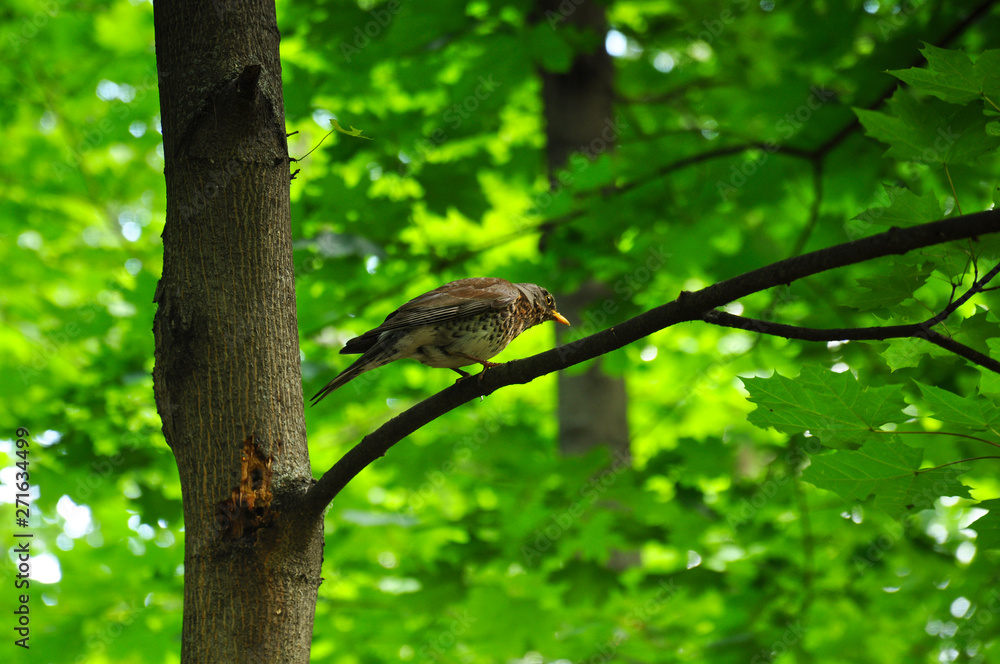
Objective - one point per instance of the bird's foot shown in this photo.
(466, 374)
(486, 365)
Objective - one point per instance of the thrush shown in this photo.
(461, 323)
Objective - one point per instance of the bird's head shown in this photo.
(542, 302)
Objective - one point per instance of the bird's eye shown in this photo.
(548, 300)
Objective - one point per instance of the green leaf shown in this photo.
(989, 380)
(832, 406)
(948, 407)
(890, 289)
(929, 131)
(356, 133)
(951, 76)
(887, 469)
(904, 352)
(987, 527)
(905, 208)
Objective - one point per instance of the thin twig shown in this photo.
(950, 434)
(952, 463)
(316, 147)
(877, 333)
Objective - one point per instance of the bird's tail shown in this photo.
(377, 356)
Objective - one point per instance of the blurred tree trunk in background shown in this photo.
(579, 112)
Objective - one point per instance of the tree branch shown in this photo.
(915, 330)
(877, 333)
(687, 307)
(971, 354)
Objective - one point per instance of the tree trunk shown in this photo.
(227, 376)
(578, 112)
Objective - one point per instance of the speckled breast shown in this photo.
(479, 337)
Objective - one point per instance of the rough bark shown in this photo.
(578, 113)
(227, 375)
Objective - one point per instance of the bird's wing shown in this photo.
(435, 307)
(440, 305)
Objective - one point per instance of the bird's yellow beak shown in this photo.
(559, 317)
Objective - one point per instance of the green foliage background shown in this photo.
(790, 527)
